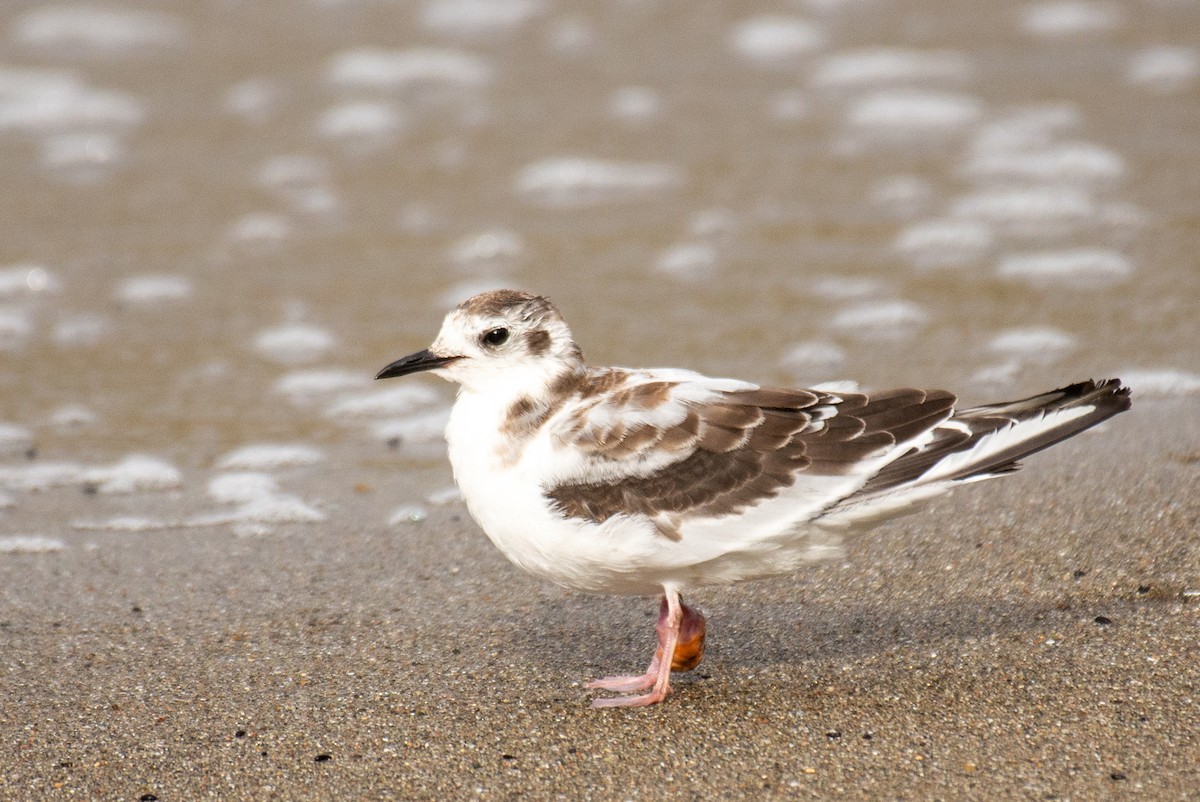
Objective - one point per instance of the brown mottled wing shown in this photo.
(738, 447)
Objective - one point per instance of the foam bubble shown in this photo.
(40, 476)
(273, 509)
(1037, 206)
(241, 487)
(880, 319)
(263, 456)
(73, 416)
(394, 400)
(843, 288)
(576, 182)
(493, 249)
(1164, 69)
(913, 112)
(890, 65)
(425, 427)
(156, 289)
(1038, 343)
(29, 544)
(294, 343)
(1070, 18)
(635, 104)
(1161, 382)
(934, 244)
(27, 278)
(15, 327)
(479, 18)
(14, 438)
(1071, 161)
(254, 100)
(109, 31)
(82, 330)
(901, 195)
(301, 386)
(123, 523)
(774, 39)
(134, 473)
(688, 261)
(375, 68)
(445, 496)
(41, 101)
(260, 231)
(83, 157)
(408, 514)
(1081, 266)
(362, 123)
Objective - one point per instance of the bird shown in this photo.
(661, 481)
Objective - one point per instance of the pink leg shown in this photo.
(670, 621)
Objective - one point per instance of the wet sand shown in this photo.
(1027, 638)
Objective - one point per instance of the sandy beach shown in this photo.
(1034, 638)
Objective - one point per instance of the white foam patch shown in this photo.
(83, 156)
(260, 231)
(880, 319)
(376, 68)
(15, 327)
(82, 330)
(41, 476)
(424, 427)
(47, 101)
(1070, 18)
(362, 123)
(1038, 343)
(945, 243)
(875, 67)
(904, 113)
(72, 416)
(294, 344)
(1037, 206)
(844, 288)
(154, 289)
(579, 182)
(14, 438)
(1160, 382)
(123, 523)
(254, 100)
(264, 456)
(1093, 267)
(901, 195)
(479, 18)
(445, 496)
(29, 544)
(773, 40)
(1069, 161)
(489, 250)
(303, 386)
(274, 509)
(813, 355)
(397, 399)
(408, 514)
(688, 261)
(110, 31)
(635, 104)
(242, 487)
(133, 474)
(1164, 69)
(26, 279)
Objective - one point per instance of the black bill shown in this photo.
(414, 363)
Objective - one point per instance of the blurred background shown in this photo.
(221, 218)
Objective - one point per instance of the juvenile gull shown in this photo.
(657, 481)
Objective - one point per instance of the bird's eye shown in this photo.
(496, 337)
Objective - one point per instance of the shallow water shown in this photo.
(222, 218)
